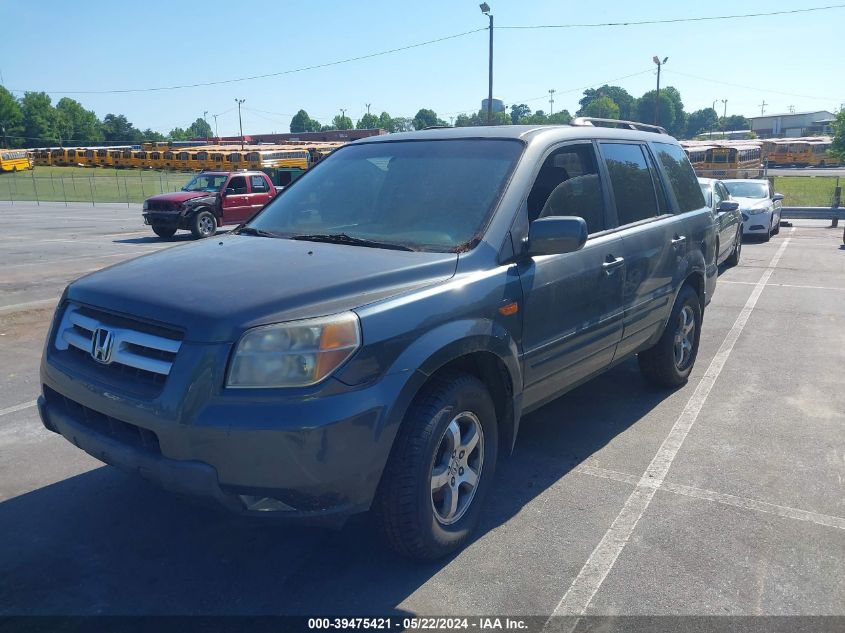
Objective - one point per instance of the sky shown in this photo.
(65, 48)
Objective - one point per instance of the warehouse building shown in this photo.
(792, 124)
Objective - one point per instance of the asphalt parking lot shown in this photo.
(724, 497)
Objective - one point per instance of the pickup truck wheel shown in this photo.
(670, 361)
(203, 224)
(164, 231)
(440, 467)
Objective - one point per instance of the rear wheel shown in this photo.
(203, 224)
(733, 259)
(440, 467)
(164, 231)
(670, 361)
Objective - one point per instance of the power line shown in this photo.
(676, 20)
(266, 75)
(747, 87)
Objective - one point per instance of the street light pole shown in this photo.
(485, 9)
(725, 119)
(717, 118)
(204, 115)
(217, 136)
(659, 63)
(240, 121)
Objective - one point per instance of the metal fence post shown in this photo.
(73, 182)
(11, 196)
(141, 180)
(126, 189)
(64, 191)
(837, 200)
(91, 185)
(35, 189)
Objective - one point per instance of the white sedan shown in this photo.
(759, 204)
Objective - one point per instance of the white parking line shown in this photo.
(592, 575)
(17, 407)
(721, 497)
(26, 306)
(751, 283)
(70, 259)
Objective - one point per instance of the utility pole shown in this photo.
(792, 109)
(659, 63)
(342, 116)
(725, 117)
(763, 107)
(368, 108)
(717, 117)
(215, 128)
(485, 9)
(204, 115)
(240, 121)
(552, 101)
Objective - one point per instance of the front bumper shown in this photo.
(758, 223)
(260, 452)
(163, 218)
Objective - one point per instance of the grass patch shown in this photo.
(92, 185)
(806, 191)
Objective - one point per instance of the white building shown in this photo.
(792, 124)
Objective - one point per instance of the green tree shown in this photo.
(736, 122)
(11, 119)
(602, 107)
(627, 104)
(838, 126)
(645, 112)
(367, 122)
(538, 118)
(117, 130)
(199, 129)
(402, 124)
(702, 121)
(342, 122)
(78, 125)
(559, 118)
(178, 134)
(385, 122)
(425, 118)
(39, 120)
(301, 122)
(519, 112)
(152, 135)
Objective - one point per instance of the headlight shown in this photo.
(146, 205)
(757, 210)
(294, 354)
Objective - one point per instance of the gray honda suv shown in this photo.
(371, 339)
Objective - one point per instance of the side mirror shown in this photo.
(555, 235)
(777, 197)
(727, 205)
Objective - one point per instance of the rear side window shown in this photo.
(681, 176)
(236, 185)
(258, 184)
(633, 187)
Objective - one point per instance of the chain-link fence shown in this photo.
(88, 185)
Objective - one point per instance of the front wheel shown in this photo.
(669, 363)
(441, 465)
(203, 224)
(164, 231)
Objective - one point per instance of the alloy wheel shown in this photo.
(456, 472)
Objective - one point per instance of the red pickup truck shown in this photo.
(211, 199)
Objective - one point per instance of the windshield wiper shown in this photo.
(249, 230)
(343, 238)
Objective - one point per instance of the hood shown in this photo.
(216, 288)
(751, 203)
(180, 196)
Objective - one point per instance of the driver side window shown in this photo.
(568, 184)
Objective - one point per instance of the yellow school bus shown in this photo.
(740, 160)
(820, 155)
(15, 160)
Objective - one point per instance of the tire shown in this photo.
(661, 365)
(733, 258)
(203, 224)
(414, 515)
(776, 227)
(164, 231)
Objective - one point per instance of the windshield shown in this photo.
(424, 195)
(205, 182)
(740, 189)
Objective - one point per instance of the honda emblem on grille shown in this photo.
(101, 345)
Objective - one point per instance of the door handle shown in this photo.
(678, 240)
(612, 263)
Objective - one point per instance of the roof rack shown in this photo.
(631, 125)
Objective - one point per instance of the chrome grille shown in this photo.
(128, 347)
